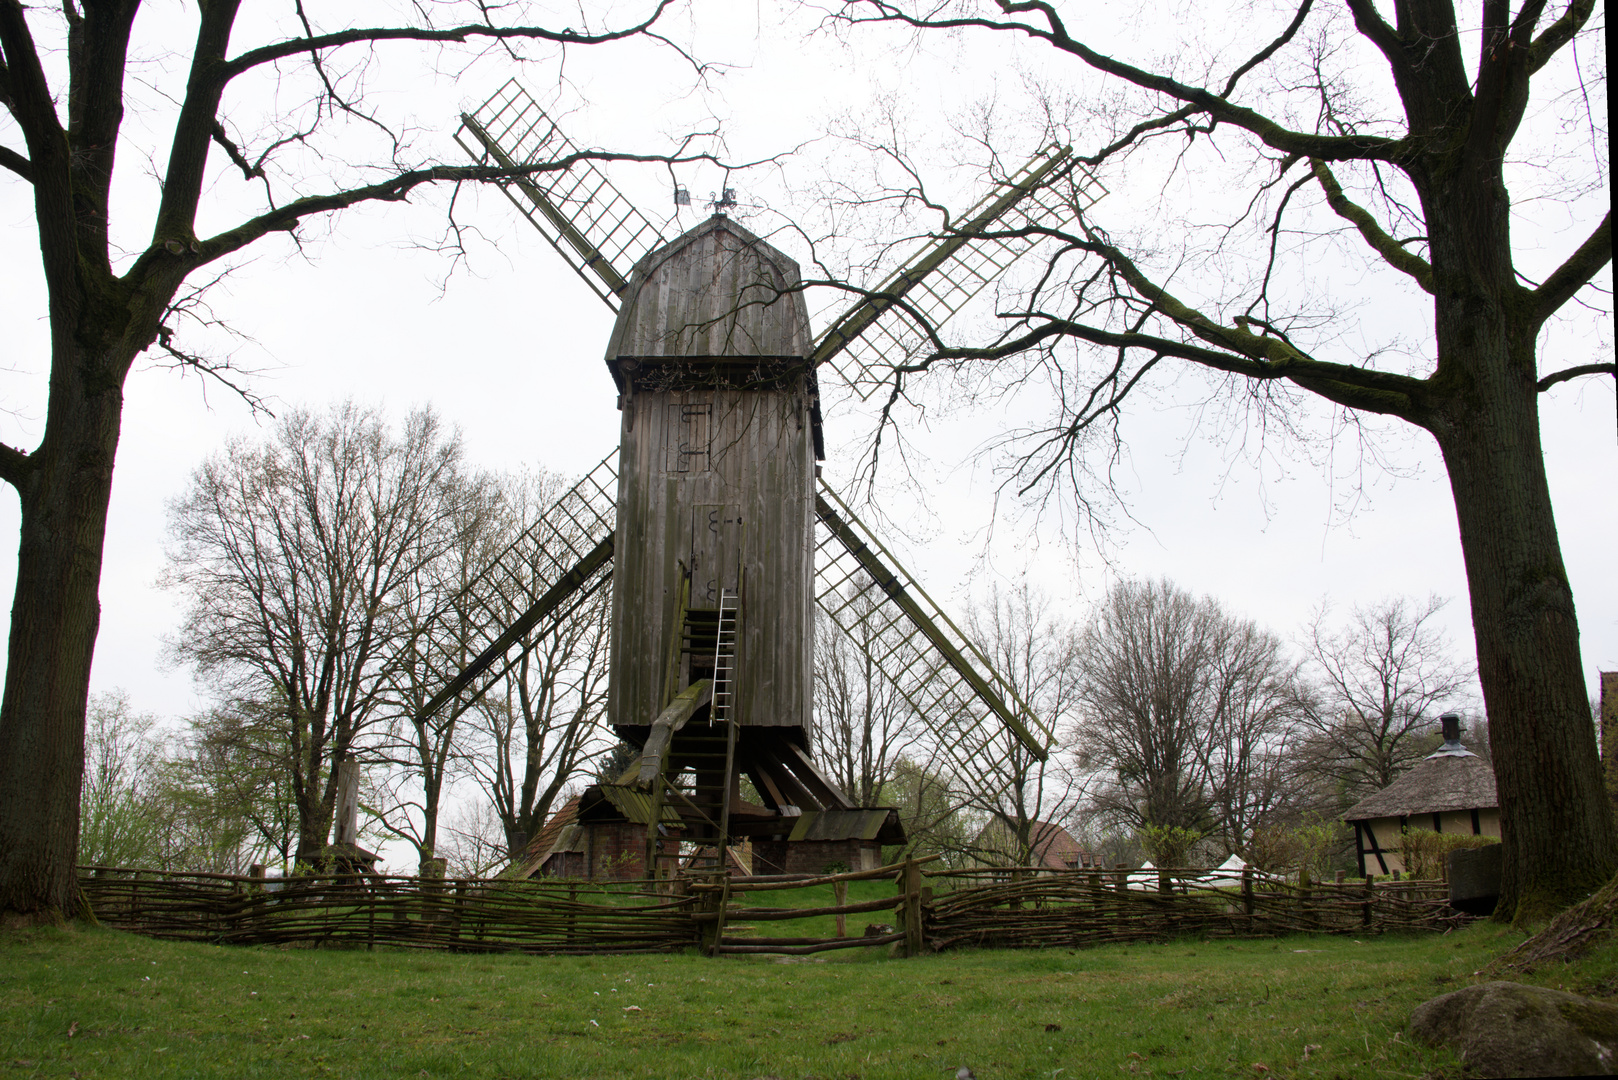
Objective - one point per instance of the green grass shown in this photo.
(98, 1003)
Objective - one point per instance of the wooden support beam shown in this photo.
(670, 720)
(809, 774)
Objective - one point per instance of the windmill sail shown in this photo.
(565, 556)
(976, 717)
(587, 220)
(866, 341)
(539, 580)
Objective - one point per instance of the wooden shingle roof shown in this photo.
(533, 856)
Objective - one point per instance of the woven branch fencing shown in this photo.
(465, 916)
(1029, 908)
(1004, 907)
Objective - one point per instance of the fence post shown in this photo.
(1247, 891)
(839, 893)
(572, 912)
(713, 931)
(1121, 878)
(456, 913)
(432, 890)
(1305, 893)
(908, 911)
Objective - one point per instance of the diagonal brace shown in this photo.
(670, 720)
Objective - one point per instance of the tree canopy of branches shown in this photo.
(1390, 134)
(1036, 650)
(1380, 682)
(315, 149)
(863, 724)
(538, 728)
(1185, 712)
(297, 558)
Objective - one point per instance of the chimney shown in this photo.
(1450, 724)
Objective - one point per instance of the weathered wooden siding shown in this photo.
(716, 291)
(760, 470)
(716, 478)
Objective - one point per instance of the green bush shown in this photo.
(1424, 851)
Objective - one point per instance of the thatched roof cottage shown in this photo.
(1450, 791)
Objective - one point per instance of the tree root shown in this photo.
(1569, 936)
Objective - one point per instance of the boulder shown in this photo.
(1508, 1029)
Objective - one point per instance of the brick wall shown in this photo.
(618, 851)
(813, 856)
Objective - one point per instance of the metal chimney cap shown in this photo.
(1450, 724)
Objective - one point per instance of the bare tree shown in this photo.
(123, 805)
(1185, 712)
(1301, 150)
(107, 304)
(474, 841)
(295, 558)
(436, 636)
(1382, 679)
(1254, 729)
(864, 725)
(538, 728)
(1037, 652)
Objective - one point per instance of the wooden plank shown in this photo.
(670, 720)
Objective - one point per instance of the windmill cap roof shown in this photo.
(715, 290)
(1436, 785)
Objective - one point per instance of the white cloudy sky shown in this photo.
(510, 350)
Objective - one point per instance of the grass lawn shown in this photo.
(98, 1003)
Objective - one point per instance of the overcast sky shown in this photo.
(510, 350)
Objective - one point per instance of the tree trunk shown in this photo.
(55, 614)
(1556, 825)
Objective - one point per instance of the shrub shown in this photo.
(1424, 851)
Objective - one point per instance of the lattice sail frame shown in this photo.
(590, 223)
(567, 538)
(976, 730)
(601, 235)
(946, 272)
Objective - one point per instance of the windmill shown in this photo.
(714, 529)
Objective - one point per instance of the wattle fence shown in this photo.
(1000, 907)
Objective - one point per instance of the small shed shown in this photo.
(597, 836)
(1451, 790)
(824, 838)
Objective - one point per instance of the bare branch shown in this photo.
(17, 163)
(14, 465)
(461, 34)
(1575, 372)
(1386, 246)
(249, 169)
(1218, 106)
(1559, 33)
(1575, 273)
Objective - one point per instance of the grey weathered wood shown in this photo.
(716, 477)
(716, 291)
(669, 721)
